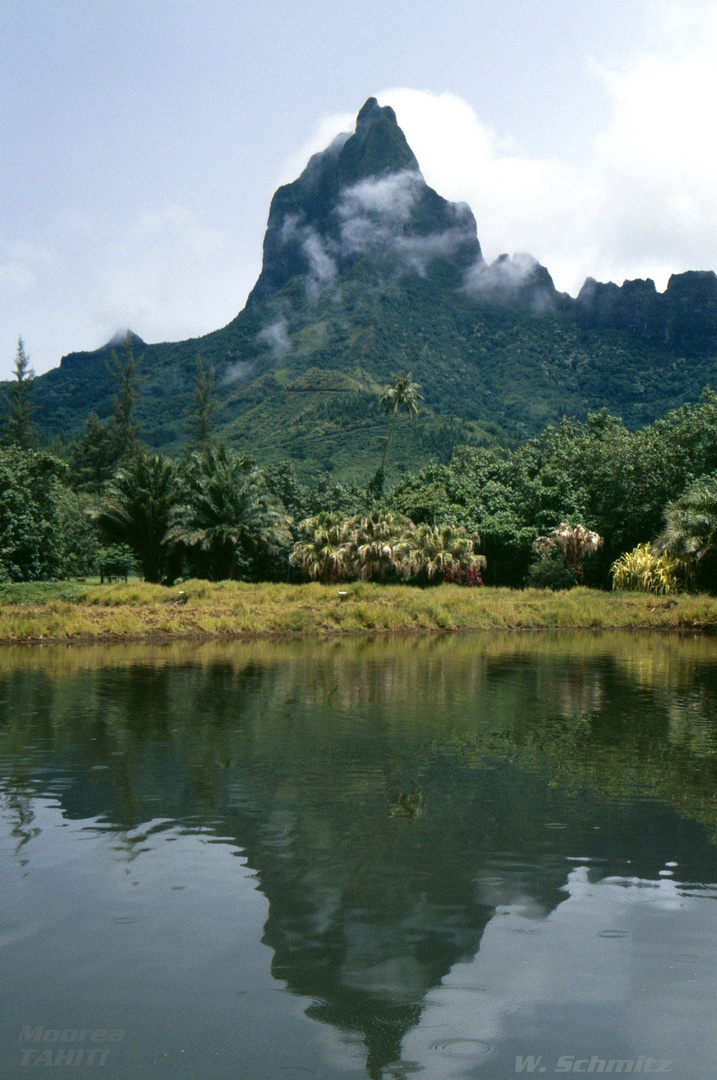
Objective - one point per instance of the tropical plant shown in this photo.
(376, 545)
(402, 395)
(646, 570)
(32, 534)
(80, 539)
(468, 576)
(691, 528)
(575, 541)
(116, 561)
(125, 430)
(550, 571)
(321, 551)
(93, 456)
(136, 510)
(227, 518)
(199, 423)
(433, 551)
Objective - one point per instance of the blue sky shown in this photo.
(141, 142)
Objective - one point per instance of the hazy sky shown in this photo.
(141, 142)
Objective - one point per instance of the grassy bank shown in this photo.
(65, 611)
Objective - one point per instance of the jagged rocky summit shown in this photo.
(364, 196)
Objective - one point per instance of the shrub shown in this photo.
(551, 571)
(117, 561)
(644, 570)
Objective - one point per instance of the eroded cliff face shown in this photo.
(682, 319)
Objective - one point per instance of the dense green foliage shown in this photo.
(690, 532)
(218, 514)
(44, 532)
(595, 473)
(226, 522)
(200, 420)
(136, 509)
(105, 446)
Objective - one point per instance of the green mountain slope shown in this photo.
(367, 271)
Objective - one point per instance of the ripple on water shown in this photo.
(463, 1048)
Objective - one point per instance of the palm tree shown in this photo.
(374, 545)
(321, 554)
(575, 541)
(437, 549)
(401, 395)
(228, 515)
(136, 508)
(691, 524)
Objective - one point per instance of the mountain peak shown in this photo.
(377, 146)
(364, 196)
(120, 337)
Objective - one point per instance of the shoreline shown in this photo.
(197, 611)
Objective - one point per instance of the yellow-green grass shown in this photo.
(198, 609)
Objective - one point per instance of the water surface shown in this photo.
(473, 855)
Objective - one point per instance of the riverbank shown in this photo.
(72, 611)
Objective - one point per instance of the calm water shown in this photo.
(468, 856)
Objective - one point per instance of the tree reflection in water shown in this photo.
(389, 795)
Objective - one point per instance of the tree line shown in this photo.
(506, 517)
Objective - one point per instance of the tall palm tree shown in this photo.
(402, 395)
(136, 508)
(228, 515)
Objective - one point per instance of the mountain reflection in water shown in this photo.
(443, 828)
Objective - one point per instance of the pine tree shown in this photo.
(124, 428)
(199, 423)
(94, 456)
(19, 429)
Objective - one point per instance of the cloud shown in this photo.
(376, 215)
(22, 266)
(238, 371)
(390, 198)
(373, 212)
(643, 199)
(507, 276)
(167, 275)
(277, 336)
(322, 268)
